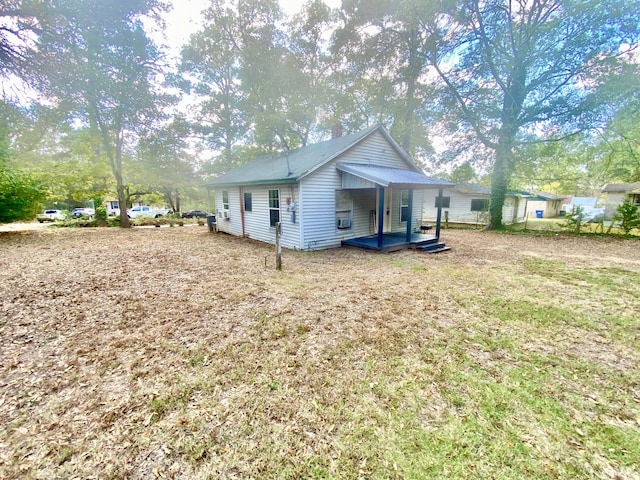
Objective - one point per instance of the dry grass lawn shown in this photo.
(175, 353)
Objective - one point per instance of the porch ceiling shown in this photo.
(385, 176)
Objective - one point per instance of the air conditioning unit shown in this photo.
(344, 223)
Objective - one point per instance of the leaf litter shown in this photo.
(175, 353)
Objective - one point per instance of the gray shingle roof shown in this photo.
(385, 176)
(289, 167)
(621, 187)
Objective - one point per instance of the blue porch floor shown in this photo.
(391, 242)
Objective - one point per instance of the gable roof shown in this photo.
(622, 188)
(291, 166)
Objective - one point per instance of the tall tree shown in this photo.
(166, 164)
(516, 67)
(386, 50)
(103, 63)
(210, 67)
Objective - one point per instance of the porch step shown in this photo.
(433, 247)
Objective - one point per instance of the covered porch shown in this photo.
(382, 179)
(392, 242)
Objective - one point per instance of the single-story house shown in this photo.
(549, 204)
(360, 189)
(615, 195)
(469, 203)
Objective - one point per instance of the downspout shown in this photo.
(439, 218)
(241, 210)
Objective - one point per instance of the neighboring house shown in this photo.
(361, 186)
(113, 208)
(615, 195)
(469, 203)
(547, 203)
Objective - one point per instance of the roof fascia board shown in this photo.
(256, 183)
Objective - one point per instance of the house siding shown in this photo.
(459, 210)
(613, 201)
(375, 150)
(233, 223)
(317, 196)
(257, 221)
(550, 208)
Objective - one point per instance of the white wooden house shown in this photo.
(545, 205)
(469, 204)
(616, 193)
(360, 189)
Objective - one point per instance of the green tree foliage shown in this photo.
(258, 80)
(385, 50)
(628, 216)
(165, 164)
(108, 73)
(512, 69)
(21, 196)
(210, 67)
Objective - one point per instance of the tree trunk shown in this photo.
(499, 185)
(122, 201)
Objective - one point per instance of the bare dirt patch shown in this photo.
(175, 353)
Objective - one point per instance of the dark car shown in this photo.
(194, 214)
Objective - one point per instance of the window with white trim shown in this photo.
(404, 205)
(274, 207)
(225, 200)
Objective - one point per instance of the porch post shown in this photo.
(439, 218)
(409, 214)
(380, 215)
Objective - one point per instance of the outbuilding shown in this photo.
(360, 189)
(468, 203)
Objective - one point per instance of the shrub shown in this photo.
(21, 196)
(574, 220)
(628, 216)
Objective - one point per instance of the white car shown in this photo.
(50, 216)
(143, 211)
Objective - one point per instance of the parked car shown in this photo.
(50, 216)
(144, 211)
(80, 212)
(194, 214)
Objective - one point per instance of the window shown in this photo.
(344, 208)
(404, 205)
(247, 201)
(225, 200)
(445, 202)
(274, 207)
(479, 204)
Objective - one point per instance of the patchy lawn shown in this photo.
(175, 353)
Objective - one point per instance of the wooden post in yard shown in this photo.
(278, 247)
